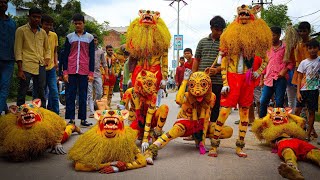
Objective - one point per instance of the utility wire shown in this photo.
(307, 14)
(287, 2)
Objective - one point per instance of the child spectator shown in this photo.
(308, 84)
(180, 72)
(187, 53)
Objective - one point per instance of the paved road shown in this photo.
(178, 160)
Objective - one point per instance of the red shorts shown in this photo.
(300, 148)
(191, 126)
(241, 92)
(154, 69)
(111, 81)
(136, 125)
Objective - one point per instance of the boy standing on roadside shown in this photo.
(308, 84)
(78, 64)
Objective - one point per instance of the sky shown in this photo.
(194, 17)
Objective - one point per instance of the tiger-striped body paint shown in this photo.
(141, 100)
(194, 115)
(241, 41)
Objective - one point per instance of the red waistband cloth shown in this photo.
(191, 126)
(300, 148)
(241, 92)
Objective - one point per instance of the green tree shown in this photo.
(276, 15)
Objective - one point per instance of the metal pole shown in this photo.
(178, 29)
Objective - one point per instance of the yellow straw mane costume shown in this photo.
(109, 146)
(29, 130)
(242, 40)
(148, 40)
(284, 130)
(194, 115)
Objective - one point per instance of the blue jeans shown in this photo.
(53, 98)
(6, 69)
(80, 83)
(279, 89)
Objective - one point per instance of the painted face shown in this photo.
(111, 122)
(279, 116)
(110, 51)
(146, 82)
(28, 114)
(199, 84)
(148, 17)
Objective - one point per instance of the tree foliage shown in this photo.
(62, 15)
(276, 15)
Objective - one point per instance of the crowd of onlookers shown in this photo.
(34, 47)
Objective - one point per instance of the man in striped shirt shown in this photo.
(206, 52)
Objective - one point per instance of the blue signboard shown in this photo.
(178, 42)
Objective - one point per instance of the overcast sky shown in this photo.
(194, 18)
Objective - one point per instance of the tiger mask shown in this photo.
(146, 83)
(111, 122)
(28, 114)
(199, 84)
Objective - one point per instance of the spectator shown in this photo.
(161, 92)
(97, 81)
(126, 72)
(206, 53)
(187, 53)
(51, 78)
(180, 72)
(32, 54)
(275, 74)
(7, 35)
(78, 65)
(308, 84)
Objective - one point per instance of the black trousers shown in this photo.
(216, 89)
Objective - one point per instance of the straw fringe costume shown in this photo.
(148, 40)
(108, 147)
(285, 131)
(29, 130)
(242, 40)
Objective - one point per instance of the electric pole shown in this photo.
(261, 3)
(178, 11)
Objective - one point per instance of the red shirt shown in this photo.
(189, 65)
(179, 74)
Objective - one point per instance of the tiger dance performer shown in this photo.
(29, 130)
(109, 146)
(148, 40)
(285, 132)
(244, 38)
(194, 115)
(141, 100)
(109, 76)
